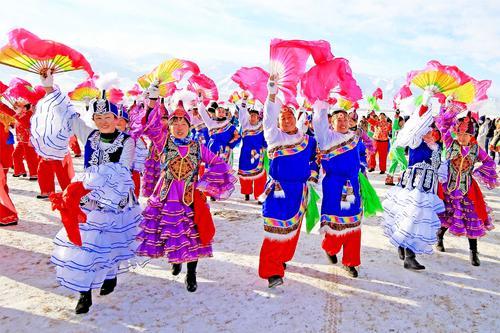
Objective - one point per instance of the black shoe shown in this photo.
(7, 224)
(275, 281)
(42, 196)
(474, 259)
(34, 178)
(401, 252)
(190, 281)
(212, 199)
(84, 302)
(176, 269)
(351, 270)
(440, 245)
(260, 203)
(382, 172)
(284, 265)
(371, 170)
(78, 155)
(108, 286)
(19, 175)
(247, 197)
(411, 262)
(333, 258)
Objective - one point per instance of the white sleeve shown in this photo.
(50, 125)
(81, 129)
(272, 133)
(206, 117)
(414, 129)
(128, 153)
(243, 116)
(324, 135)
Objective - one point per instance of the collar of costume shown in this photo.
(181, 142)
(109, 137)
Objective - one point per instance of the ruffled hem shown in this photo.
(461, 219)
(108, 248)
(150, 177)
(411, 219)
(109, 184)
(168, 230)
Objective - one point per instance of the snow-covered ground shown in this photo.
(449, 296)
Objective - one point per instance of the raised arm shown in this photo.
(209, 122)
(415, 128)
(243, 114)
(323, 133)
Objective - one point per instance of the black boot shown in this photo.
(474, 259)
(275, 281)
(84, 302)
(108, 286)
(176, 269)
(333, 258)
(284, 265)
(440, 243)
(247, 197)
(411, 262)
(191, 284)
(351, 270)
(401, 252)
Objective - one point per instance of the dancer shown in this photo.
(90, 255)
(251, 164)
(223, 134)
(381, 129)
(141, 149)
(177, 221)
(410, 209)
(467, 213)
(8, 214)
(397, 154)
(341, 212)
(293, 163)
(25, 100)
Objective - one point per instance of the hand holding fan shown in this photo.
(28, 52)
(288, 63)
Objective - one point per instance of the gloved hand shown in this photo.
(448, 100)
(426, 96)
(153, 90)
(272, 87)
(47, 79)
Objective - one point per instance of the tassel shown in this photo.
(345, 205)
(278, 190)
(262, 197)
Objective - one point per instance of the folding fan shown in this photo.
(28, 52)
(85, 91)
(168, 71)
(21, 89)
(254, 80)
(204, 84)
(437, 77)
